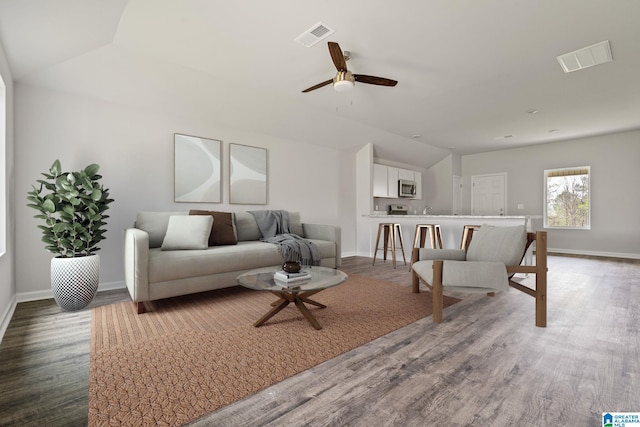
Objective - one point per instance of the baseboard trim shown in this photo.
(347, 254)
(593, 253)
(47, 294)
(6, 317)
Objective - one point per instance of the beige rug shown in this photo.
(191, 355)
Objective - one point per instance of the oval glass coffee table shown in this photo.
(297, 292)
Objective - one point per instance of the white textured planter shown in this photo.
(74, 281)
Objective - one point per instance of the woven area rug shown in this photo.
(191, 355)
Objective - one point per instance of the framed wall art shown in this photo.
(198, 176)
(247, 175)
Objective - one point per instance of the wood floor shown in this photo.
(486, 364)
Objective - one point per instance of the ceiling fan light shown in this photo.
(343, 85)
(343, 81)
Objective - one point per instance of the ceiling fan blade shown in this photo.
(373, 80)
(337, 56)
(318, 86)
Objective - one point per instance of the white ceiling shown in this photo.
(468, 71)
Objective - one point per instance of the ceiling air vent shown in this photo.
(589, 56)
(314, 34)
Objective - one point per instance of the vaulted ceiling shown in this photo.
(470, 72)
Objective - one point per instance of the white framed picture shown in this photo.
(247, 175)
(197, 169)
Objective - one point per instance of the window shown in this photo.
(567, 201)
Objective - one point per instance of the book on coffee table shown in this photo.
(283, 276)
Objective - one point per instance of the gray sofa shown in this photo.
(153, 272)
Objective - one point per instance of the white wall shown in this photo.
(438, 187)
(7, 273)
(134, 149)
(615, 177)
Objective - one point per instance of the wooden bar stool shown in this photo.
(467, 233)
(390, 231)
(420, 236)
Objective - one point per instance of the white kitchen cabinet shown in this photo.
(380, 186)
(406, 174)
(385, 181)
(392, 182)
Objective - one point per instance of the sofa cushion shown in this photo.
(187, 232)
(246, 227)
(222, 232)
(498, 244)
(295, 225)
(155, 224)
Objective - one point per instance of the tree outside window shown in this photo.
(567, 198)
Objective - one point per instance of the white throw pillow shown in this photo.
(187, 232)
(155, 223)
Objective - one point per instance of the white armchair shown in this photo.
(492, 258)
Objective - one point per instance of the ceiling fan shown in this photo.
(344, 79)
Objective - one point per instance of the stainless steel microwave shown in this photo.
(406, 188)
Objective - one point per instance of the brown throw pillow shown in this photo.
(222, 230)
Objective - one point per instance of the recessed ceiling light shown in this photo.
(553, 130)
(416, 136)
(533, 111)
(504, 137)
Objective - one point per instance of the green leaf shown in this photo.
(55, 169)
(61, 227)
(92, 169)
(49, 206)
(96, 195)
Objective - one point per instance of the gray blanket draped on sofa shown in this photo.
(274, 227)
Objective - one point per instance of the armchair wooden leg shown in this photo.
(415, 280)
(437, 291)
(541, 309)
(541, 279)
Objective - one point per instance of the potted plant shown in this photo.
(72, 206)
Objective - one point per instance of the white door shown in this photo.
(457, 195)
(488, 194)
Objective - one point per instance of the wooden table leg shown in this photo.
(299, 299)
(282, 304)
(307, 314)
(304, 296)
